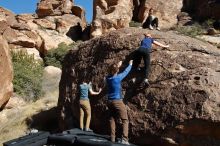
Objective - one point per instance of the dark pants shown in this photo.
(145, 54)
(118, 111)
(150, 21)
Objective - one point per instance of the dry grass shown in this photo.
(13, 121)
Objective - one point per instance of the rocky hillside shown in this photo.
(54, 22)
(182, 100)
(115, 14)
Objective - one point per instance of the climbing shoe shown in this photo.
(124, 142)
(88, 130)
(146, 82)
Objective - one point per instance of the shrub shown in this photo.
(192, 31)
(54, 57)
(196, 28)
(27, 75)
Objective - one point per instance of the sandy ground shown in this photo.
(13, 122)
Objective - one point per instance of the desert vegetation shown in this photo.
(27, 75)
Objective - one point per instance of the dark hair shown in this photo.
(151, 10)
(83, 76)
(113, 69)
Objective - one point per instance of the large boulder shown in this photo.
(54, 7)
(51, 39)
(165, 11)
(180, 107)
(110, 15)
(6, 77)
(22, 38)
(50, 84)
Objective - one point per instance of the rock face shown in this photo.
(165, 11)
(181, 106)
(7, 16)
(35, 35)
(54, 7)
(110, 15)
(203, 9)
(54, 30)
(6, 77)
(80, 12)
(28, 32)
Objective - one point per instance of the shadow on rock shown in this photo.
(75, 32)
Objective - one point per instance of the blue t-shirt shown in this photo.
(147, 43)
(114, 84)
(84, 91)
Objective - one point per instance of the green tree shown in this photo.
(28, 74)
(55, 57)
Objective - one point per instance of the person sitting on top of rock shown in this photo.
(151, 21)
(144, 52)
(84, 103)
(115, 103)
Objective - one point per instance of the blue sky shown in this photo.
(29, 6)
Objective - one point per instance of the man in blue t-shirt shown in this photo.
(115, 104)
(144, 52)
